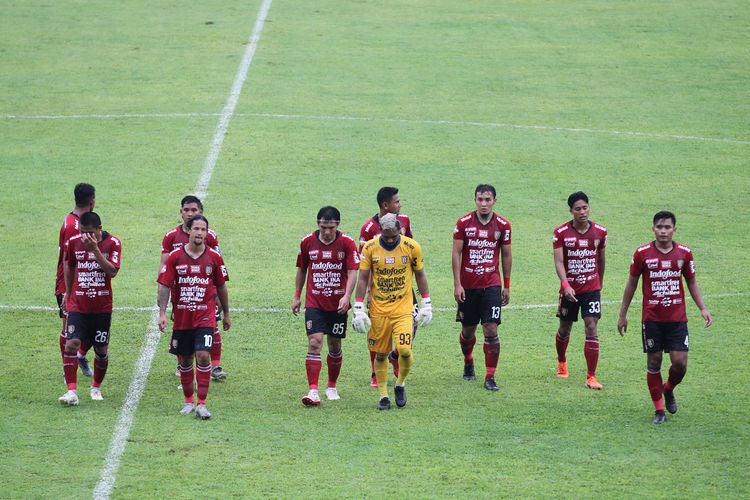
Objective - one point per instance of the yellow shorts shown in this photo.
(386, 327)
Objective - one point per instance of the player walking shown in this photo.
(481, 245)
(190, 206)
(578, 248)
(91, 259)
(663, 263)
(328, 261)
(194, 274)
(392, 260)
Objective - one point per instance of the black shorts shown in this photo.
(665, 336)
(329, 322)
(91, 327)
(481, 304)
(186, 342)
(59, 305)
(589, 303)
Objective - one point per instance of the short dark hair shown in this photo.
(91, 219)
(665, 214)
(191, 199)
(329, 213)
(84, 193)
(578, 195)
(385, 194)
(191, 220)
(485, 188)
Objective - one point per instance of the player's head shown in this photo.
(197, 229)
(91, 223)
(389, 201)
(485, 198)
(328, 222)
(85, 195)
(390, 229)
(579, 206)
(665, 224)
(190, 206)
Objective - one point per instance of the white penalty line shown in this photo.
(120, 435)
(551, 128)
(278, 310)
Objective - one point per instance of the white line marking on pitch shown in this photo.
(650, 135)
(143, 365)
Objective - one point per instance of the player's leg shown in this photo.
(63, 317)
(312, 368)
(490, 311)
(202, 346)
(591, 311)
(379, 342)
(678, 354)
(336, 331)
(652, 346)
(77, 326)
(568, 313)
(467, 314)
(181, 345)
(83, 363)
(99, 338)
(217, 372)
(403, 335)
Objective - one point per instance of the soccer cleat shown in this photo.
(96, 394)
(332, 394)
(400, 395)
(670, 402)
(490, 385)
(312, 398)
(385, 403)
(374, 382)
(83, 364)
(187, 409)
(562, 369)
(659, 418)
(202, 412)
(218, 373)
(469, 372)
(70, 398)
(592, 383)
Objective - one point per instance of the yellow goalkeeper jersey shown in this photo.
(392, 274)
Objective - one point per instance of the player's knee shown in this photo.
(468, 332)
(314, 344)
(381, 356)
(490, 330)
(404, 352)
(680, 367)
(71, 346)
(101, 352)
(203, 358)
(564, 329)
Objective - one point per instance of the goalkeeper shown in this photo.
(392, 259)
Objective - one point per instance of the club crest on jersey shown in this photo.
(195, 269)
(652, 263)
(371, 341)
(570, 242)
(314, 254)
(390, 260)
(209, 269)
(308, 324)
(596, 243)
(341, 255)
(497, 235)
(650, 343)
(327, 254)
(71, 329)
(471, 232)
(666, 264)
(182, 269)
(404, 259)
(583, 243)
(680, 263)
(483, 233)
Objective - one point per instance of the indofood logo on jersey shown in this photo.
(482, 243)
(582, 253)
(664, 273)
(327, 266)
(192, 280)
(89, 265)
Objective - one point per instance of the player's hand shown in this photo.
(296, 304)
(361, 321)
(344, 305)
(570, 294)
(459, 294)
(622, 325)
(506, 297)
(424, 316)
(707, 317)
(162, 321)
(226, 321)
(89, 241)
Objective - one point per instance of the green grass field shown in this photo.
(644, 106)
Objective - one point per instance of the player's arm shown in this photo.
(223, 294)
(162, 300)
(627, 298)
(421, 278)
(363, 282)
(68, 275)
(600, 263)
(568, 291)
(346, 301)
(456, 257)
(695, 293)
(506, 259)
(299, 283)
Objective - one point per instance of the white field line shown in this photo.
(279, 310)
(626, 133)
(120, 435)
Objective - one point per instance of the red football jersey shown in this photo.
(371, 228)
(92, 288)
(581, 254)
(177, 238)
(193, 283)
(71, 227)
(480, 260)
(326, 269)
(663, 294)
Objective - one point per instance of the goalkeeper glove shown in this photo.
(424, 316)
(361, 321)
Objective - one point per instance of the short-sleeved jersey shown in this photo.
(92, 287)
(663, 293)
(581, 254)
(193, 282)
(392, 274)
(371, 228)
(177, 238)
(480, 258)
(71, 227)
(327, 267)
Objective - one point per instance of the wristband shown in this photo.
(425, 296)
(506, 282)
(359, 301)
(565, 284)
(297, 294)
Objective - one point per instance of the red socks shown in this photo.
(467, 347)
(186, 377)
(334, 361)
(561, 343)
(216, 349)
(313, 365)
(372, 362)
(655, 388)
(203, 378)
(591, 352)
(491, 355)
(100, 370)
(70, 368)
